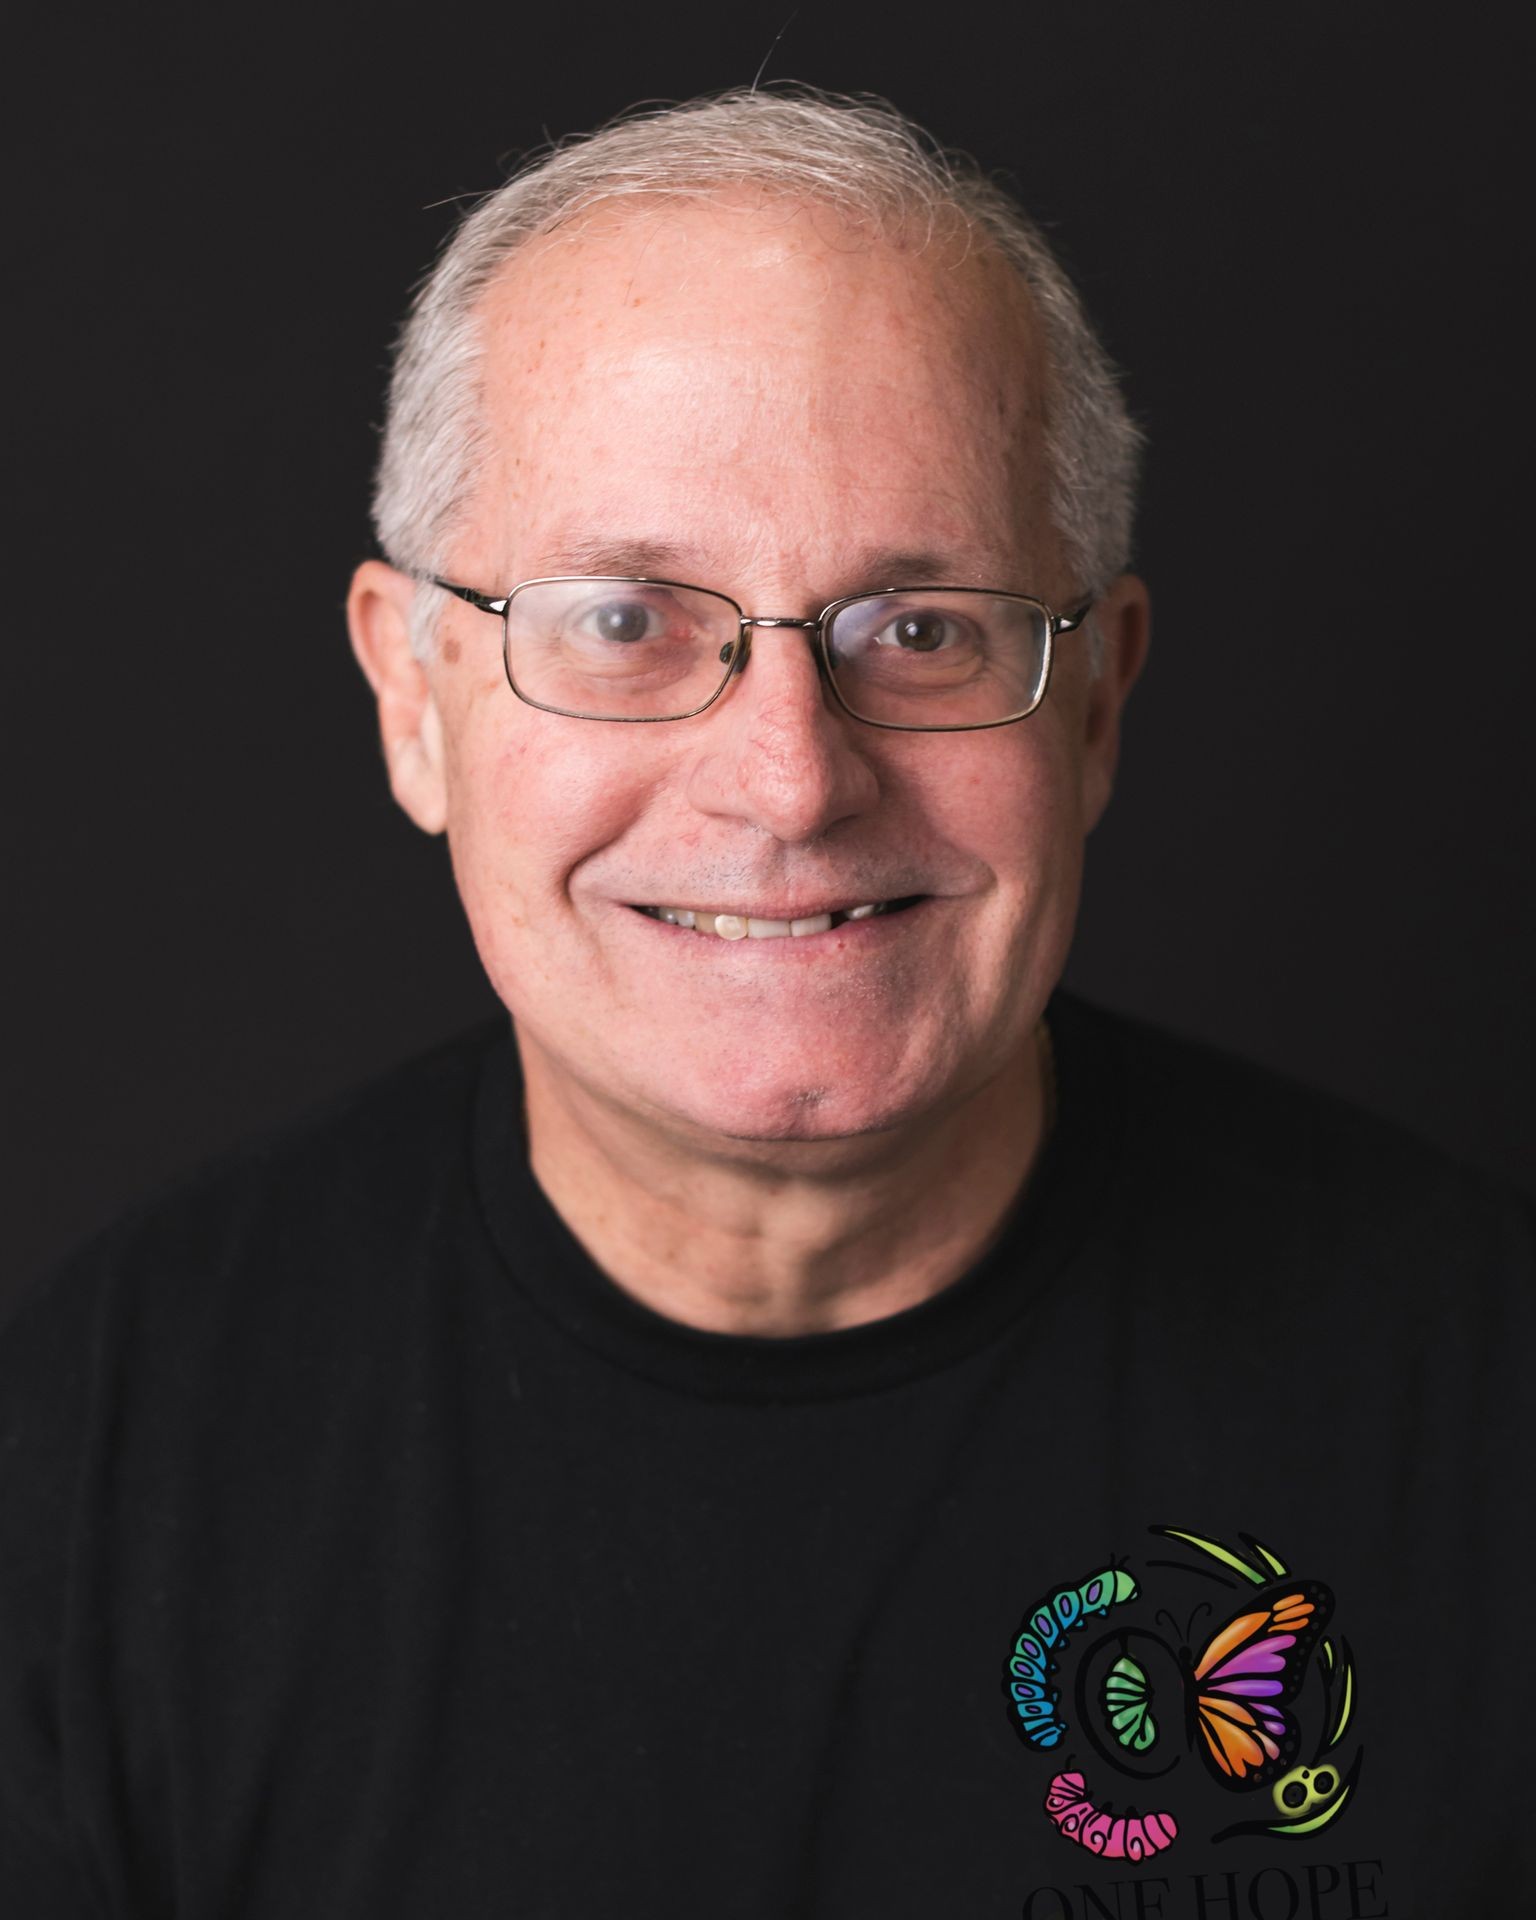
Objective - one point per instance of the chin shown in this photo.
(780, 1102)
(808, 1114)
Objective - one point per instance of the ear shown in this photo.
(1123, 619)
(379, 620)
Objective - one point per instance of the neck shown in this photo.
(787, 1242)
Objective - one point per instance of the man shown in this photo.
(806, 1418)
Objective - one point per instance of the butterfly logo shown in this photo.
(1252, 1668)
(1262, 1697)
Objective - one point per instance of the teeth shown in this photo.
(737, 926)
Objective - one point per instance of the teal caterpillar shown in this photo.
(1033, 1664)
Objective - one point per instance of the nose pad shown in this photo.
(737, 653)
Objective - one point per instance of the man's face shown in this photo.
(757, 400)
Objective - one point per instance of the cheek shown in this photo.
(1019, 814)
(1016, 805)
(528, 801)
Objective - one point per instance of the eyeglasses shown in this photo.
(918, 659)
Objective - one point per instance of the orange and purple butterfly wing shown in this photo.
(1249, 1673)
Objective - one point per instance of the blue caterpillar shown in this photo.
(1034, 1700)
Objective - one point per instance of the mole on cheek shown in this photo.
(451, 652)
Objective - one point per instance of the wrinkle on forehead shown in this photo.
(630, 353)
(793, 254)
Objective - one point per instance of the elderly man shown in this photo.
(804, 1418)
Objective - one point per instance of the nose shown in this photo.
(776, 751)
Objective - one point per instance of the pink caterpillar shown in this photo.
(1116, 1836)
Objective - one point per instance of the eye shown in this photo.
(1323, 1782)
(921, 631)
(1295, 1795)
(622, 620)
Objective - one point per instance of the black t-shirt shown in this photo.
(365, 1552)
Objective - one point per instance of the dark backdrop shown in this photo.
(1297, 231)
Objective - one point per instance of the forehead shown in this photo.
(759, 383)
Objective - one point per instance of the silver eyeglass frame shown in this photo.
(735, 655)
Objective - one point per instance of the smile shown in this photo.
(741, 926)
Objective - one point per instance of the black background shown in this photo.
(1299, 231)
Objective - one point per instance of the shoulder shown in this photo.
(1214, 1146)
(353, 1175)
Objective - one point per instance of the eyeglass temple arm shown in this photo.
(1061, 622)
(481, 600)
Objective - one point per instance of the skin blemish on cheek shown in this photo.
(451, 652)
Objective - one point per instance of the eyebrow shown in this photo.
(598, 554)
(579, 552)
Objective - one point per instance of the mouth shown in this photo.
(722, 925)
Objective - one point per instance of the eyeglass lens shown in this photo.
(641, 650)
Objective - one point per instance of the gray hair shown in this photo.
(857, 156)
